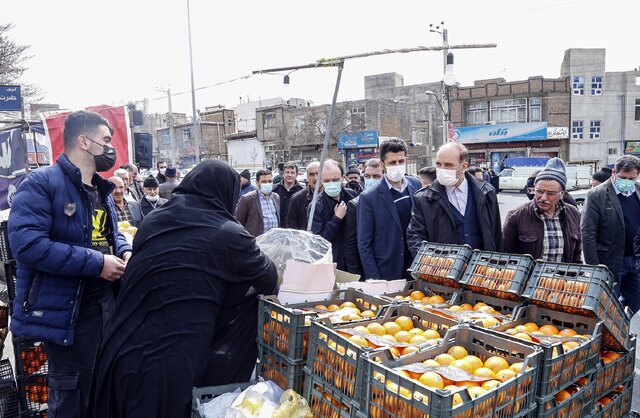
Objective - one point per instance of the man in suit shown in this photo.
(458, 208)
(297, 216)
(610, 219)
(259, 211)
(384, 212)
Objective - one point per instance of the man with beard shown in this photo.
(151, 199)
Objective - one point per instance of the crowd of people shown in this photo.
(130, 329)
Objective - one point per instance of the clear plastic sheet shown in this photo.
(282, 245)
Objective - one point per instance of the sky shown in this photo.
(87, 53)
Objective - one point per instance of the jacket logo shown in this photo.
(69, 209)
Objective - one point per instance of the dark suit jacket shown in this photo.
(249, 212)
(297, 216)
(602, 227)
(351, 252)
(381, 240)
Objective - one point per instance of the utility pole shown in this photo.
(440, 29)
(193, 91)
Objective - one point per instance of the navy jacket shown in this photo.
(381, 240)
(329, 226)
(50, 230)
(432, 220)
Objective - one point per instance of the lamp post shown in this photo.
(193, 91)
(448, 80)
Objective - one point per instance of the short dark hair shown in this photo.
(372, 162)
(428, 172)
(160, 162)
(280, 166)
(290, 164)
(80, 123)
(128, 166)
(628, 163)
(392, 145)
(261, 173)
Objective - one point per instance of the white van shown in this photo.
(515, 178)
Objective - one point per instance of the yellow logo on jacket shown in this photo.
(99, 233)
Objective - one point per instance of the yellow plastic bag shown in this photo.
(292, 405)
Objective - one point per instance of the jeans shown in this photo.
(629, 282)
(71, 367)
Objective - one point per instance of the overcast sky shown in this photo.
(87, 52)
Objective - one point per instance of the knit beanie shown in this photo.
(150, 182)
(602, 175)
(554, 170)
(245, 174)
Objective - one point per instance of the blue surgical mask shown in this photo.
(266, 188)
(333, 188)
(625, 185)
(368, 183)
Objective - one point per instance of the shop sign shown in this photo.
(633, 147)
(360, 139)
(506, 132)
(555, 132)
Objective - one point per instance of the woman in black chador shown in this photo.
(186, 314)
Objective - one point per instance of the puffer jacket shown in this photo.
(50, 229)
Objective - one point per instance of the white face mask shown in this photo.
(396, 173)
(162, 171)
(447, 177)
(152, 199)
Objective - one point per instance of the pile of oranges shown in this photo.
(567, 393)
(561, 291)
(435, 269)
(33, 359)
(37, 391)
(492, 277)
(530, 331)
(477, 311)
(348, 311)
(417, 297)
(606, 400)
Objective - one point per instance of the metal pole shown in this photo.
(193, 91)
(445, 102)
(623, 120)
(172, 154)
(325, 147)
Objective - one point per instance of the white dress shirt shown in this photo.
(458, 196)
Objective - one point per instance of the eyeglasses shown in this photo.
(548, 193)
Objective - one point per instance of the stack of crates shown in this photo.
(390, 389)
(580, 297)
(283, 334)
(335, 367)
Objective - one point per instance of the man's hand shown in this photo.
(112, 268)
(340, 210)
(125, 257)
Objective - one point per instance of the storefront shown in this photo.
(632, 148)
(356, 147)
(489, 145)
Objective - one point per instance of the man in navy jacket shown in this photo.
(384, 212)
(63, 233)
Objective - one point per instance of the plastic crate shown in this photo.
(429, 289)
(10, 279)
(339, 363)
(32, 369)
(441, 264)
(285, 328)
(620, 405)
(581, 290)
(202, 395)
(275, 366)
(505, 307)
(5, 251)
(498, 274)
(515, 397)
(579, 405)
(8, 391)
(556, 372)
(613, 374)
(326, 402)
(30, 358)
(34, 395)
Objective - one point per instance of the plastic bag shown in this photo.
(217, 407)
(258, 400)
(292, 405)
(282, 245)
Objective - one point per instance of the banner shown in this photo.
(13, 154)
(118, 117)
(10, 98)
(506, 132)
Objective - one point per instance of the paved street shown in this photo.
(508, 201)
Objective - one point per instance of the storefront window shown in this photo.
(477, 113)
(509, 110)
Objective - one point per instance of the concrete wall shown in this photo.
(245, 113)
(245, 153)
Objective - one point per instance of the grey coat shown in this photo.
(602, 227)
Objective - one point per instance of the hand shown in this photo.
(340, 210)
(112, 268)
(125, 257)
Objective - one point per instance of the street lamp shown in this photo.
(449, 79)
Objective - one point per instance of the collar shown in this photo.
(627, 194)
(464, 186)
(264, 196)
(74, 174)
(541, 215)
(391, 186)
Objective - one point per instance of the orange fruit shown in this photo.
(549, 330)
(611, 355)
(376, 328)
(410, 350)
(476, 392)
(452, 388)
(416, 295)
(367, 314)
(437, 299)
(484, 372)
(320, 307)
(432, 380)
(458, 352)
(348, 305)
(583, 381)
(563, 395)
(570, 345)
(567, 332)
(333, 308)
(444, 359)
(517, 367)
(431, 363)
(531, 327)
(521, 328)
(468, 384)
(490, 322)
(391, 328)
(505, 374)
(523, 336)
(605, 400)
(457, 399)
(491, 384)
(358, 340)
(466, 307)
(474, 361)
(405, 323)
(431, 334)
(395, 352)
(455, 308)
(362, 329)
(402, 336)
(496, 364)
(416, 331)
(416, 339)
(462, 365)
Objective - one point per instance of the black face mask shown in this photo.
(354, 185)
(106, 160)
(530, 196)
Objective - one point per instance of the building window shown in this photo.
(477, 113)
(298, 124)
(578, 86)
(594, 129)
(577, 127)
(637, 109)
(166, 138)
(509, 110)
(613, 151)
(186, 135)
(535, 109)
(596, 86)
(358, 117)
(230, 121)
(269, 120)
(418, 136)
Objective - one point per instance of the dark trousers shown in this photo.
(71, 367)
(629, 282)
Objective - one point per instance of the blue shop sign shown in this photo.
(10, 99)
(506, 132)
(361, 139)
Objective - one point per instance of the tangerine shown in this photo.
(392, 328)
(496, 364)
(405, 323)
(549, 330)
(458, 352)
(432, 380)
